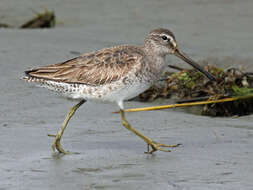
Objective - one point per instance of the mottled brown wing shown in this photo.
(97, 68)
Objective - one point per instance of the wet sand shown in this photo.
(216, 152)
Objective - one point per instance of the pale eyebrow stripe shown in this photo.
(168, 36)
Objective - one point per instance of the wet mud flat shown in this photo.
(216, 153)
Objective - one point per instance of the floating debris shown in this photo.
(191, 86)
(41, 20)
(197, 103)
(3, 25)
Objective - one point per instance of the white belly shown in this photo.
(113, 92)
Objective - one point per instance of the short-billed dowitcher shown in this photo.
(112, 74)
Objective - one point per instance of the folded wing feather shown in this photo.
(97, 68)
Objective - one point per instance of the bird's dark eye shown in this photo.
(164, 38)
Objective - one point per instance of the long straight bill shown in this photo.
(188, 60)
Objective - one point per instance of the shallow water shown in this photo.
(216, 152)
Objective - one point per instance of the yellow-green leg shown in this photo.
(150, 143)
(56, 144)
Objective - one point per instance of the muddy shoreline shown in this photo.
(216, 153)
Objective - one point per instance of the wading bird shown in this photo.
(112, 74)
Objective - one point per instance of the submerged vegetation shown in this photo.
(191, 86)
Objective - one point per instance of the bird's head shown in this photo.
(163, 42)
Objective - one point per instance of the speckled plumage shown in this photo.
(111, 74)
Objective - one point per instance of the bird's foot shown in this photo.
(57, 145)
(157, 146)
